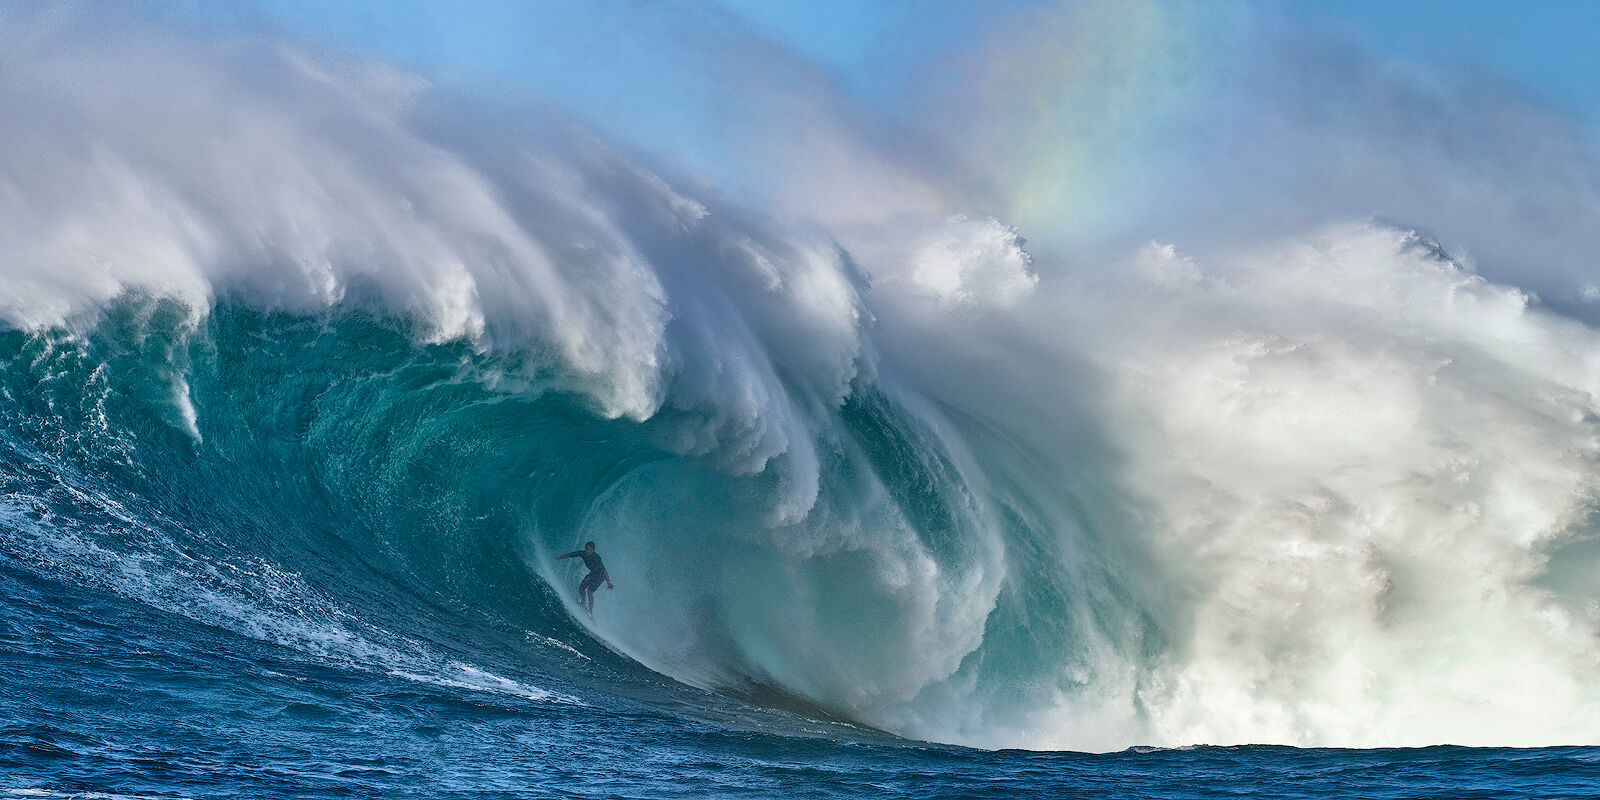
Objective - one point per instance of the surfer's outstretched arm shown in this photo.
(573, 554)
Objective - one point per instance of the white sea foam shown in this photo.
(88, 795)
(1361, 462)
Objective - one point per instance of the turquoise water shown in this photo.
(335, 590)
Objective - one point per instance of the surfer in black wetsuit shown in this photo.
(591, 582)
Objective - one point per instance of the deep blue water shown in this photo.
(105, 696)
(317, 598)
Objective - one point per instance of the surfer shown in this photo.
(591, 582)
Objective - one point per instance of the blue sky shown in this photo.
(582, 49)
(1546, 46)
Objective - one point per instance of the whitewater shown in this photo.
(311, 367)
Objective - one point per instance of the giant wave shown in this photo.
(307, 349)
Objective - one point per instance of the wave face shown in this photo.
(343, 366)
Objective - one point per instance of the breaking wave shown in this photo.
(308, 350)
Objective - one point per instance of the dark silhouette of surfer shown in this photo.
(591, 582)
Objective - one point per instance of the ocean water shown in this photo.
(308, 370)
(107, 698)
(239, 616)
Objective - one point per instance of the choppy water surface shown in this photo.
(104, 698)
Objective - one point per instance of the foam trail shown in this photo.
(1321, 488)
